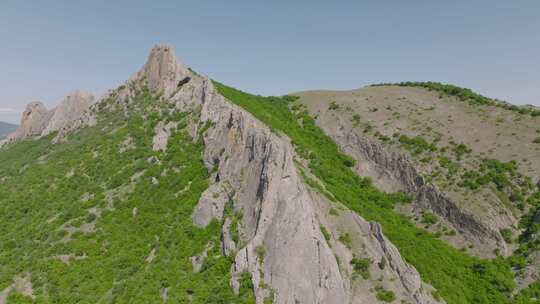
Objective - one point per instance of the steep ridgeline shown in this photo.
(166, 191)
(36, 120)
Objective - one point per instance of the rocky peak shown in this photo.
(70, 109)
(162, 71)
(280, 242)
(32, 120)
(36, 120)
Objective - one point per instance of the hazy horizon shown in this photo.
(273, 48)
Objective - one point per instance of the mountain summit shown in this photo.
(162, 71)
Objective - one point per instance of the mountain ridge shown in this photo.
(277, 204)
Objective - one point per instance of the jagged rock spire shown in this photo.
(162, 71)
(36, 120)
(32, 121)
(70, 109)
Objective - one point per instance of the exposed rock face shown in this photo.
(281, 243)
(393, 171)
(197, 261)
(211, 204)
(284, 245)
(162, 71)
(69, 110)
(163, 131)
(387, 265)
(72, 113)
(530, 273)
(33, 121)
(21, 284)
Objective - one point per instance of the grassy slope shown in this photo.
(465, 94)
(38, 199)
(458, 277)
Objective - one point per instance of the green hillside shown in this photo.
(90, 224)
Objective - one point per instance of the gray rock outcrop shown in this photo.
(68, 111)
(393, 171)
(33, 121)
(72, 113)
(163, 72)
(281, 244)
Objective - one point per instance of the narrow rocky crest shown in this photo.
(281, 245)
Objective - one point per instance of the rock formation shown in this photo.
(33, 121)
(397, 169)
(162, 71)
(69, 110)
(72, 112)
(281, 244)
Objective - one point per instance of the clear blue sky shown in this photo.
(50, 48)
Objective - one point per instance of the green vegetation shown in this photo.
(382, 263)
(43, 212)
(361, 267)
(450, 166)
(368, 127)
(325, 233)
(19, 299)
(385, 295)
(235, 218)
(464, 94)
(536, 140)
(269, 299)
(345, 238)
(503, 177)
(529, 295)
(260, 251)
(460, 150)
(402, 197)
(333, 106)
(333, 211)
(429, 218)
(459, 277)
(417, 144)
(355, 119)
(528, 241)
(246, 288)
(506, 234)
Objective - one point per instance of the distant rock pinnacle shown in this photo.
(162, 71)
(69, 110)
(36, 120)
(32, 120)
